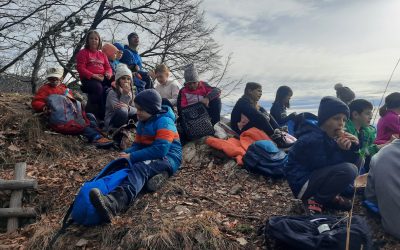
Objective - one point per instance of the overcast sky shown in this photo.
(310, 44)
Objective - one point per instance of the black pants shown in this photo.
(95, 90)
(214, 110)
(325, 183)
(267, 126)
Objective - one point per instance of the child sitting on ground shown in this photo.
(112, 53)
(321, 162)
(155, 155)
(359, 126)
(195, 91)
(281, 103)
(166, 86)
(119, 104)
(247, 113)
(55, 86)
(389, 123)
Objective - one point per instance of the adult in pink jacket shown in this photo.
(95, 72)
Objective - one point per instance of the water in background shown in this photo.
(306, 97)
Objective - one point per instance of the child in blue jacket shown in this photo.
(155, 155)
(321, 163)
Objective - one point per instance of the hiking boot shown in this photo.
(340, 203)
(103, 143)
(312, 207)
(157, 181)
(108, 205)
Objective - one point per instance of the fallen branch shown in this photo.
(252, 217)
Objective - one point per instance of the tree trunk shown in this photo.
(36, 66)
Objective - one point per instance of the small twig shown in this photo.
(210, 199)
(252, 217)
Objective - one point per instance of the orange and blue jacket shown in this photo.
(157, 138)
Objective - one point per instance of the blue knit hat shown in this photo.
(149, 100)
(330, 106)
(119, 46)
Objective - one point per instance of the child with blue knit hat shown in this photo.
(321, 163)
(155, 155)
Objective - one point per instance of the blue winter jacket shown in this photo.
(157, 138)
(131, 58)
(314, 149)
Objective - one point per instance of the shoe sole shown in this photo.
(156, 182)
(96, 198)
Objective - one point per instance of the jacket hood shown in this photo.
(307, 126)
(167, 112)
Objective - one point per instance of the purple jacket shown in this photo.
(388, 125)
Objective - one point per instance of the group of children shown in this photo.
(322, 164)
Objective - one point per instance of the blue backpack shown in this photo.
(263, 157)
(81, 210)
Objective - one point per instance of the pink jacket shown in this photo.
(388, 125)
(89, 63)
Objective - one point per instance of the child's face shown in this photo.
(333, 127)
(94, 41)
(256, 94)
(162, 77)
(124, 83)
(141, 114)
(54, 81)
(119, 54)
(364, 118)
(287, 99)
(192, 85)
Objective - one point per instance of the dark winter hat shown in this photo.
(149, 100)
(190, 73)
(330, 106)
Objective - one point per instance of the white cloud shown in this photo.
(309, 43)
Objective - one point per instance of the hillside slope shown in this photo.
(210, 204)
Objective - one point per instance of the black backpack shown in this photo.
(263, 157)
(318, 232)
(196, 122)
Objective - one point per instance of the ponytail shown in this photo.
(383, 110)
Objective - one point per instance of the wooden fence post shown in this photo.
(16, 196)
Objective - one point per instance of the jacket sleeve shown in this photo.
(212, 92)
(370, 193)
(310, 152)
(81, 62)
(127, 58)
(174, 92)
(254, 115)
(39, 100)
(393, 123)
(165, 134)
(179, 102)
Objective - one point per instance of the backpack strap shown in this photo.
(65, 224)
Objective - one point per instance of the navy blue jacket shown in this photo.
(278, 111)
(313, 150)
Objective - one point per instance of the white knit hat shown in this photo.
(122, 70)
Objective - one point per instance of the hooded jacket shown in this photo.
(157, 138)
(313, 150)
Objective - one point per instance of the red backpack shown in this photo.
(66, 115)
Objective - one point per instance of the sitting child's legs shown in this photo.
(326, 183)
(119, 118)
(214, 110)
(118, 200)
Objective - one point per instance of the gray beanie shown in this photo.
(330, 106)
(122, 70)
(149, 100)
(190, 73)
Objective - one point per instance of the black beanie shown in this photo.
(149, 100)
(330, 106)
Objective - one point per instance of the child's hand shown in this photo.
(124, 155)
(119, 105)
(205, 101)
(351, 137)
(344, 143)
(98, 77)
(107, 76)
